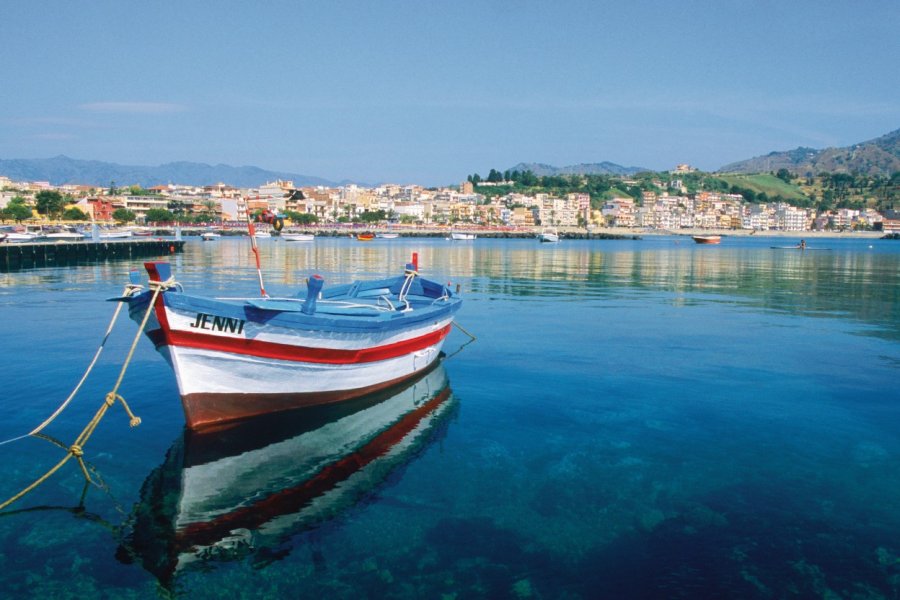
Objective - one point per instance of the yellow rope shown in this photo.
(77, 448)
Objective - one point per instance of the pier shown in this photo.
(14, 257)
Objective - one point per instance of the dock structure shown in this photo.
(14, 257)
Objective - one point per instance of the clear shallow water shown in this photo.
(636, 419)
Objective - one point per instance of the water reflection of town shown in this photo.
(864, 283)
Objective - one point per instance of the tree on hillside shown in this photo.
(16, 210)
(73, 213)
(123, 215)
(528, 178)
(373, 216)
(159, 215)
(49, 202)
(784, 175)
(298, 218)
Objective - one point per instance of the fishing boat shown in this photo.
(298, 237)
(365, 237)
(238, 357)
(548, 235)
(459, 236)
(707, 239)
(248, 490)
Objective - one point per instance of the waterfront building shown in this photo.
(619, 212)
(139, 205)
(891, 221)
(99, 209)
(790, 218)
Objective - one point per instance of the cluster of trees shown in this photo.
(839, 190)
(49, 203)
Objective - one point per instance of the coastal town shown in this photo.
(669, 207)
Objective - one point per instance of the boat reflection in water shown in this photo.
(248, 487)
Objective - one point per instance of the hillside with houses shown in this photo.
(680, 199)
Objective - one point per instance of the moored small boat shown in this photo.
(459, 236)
(236, 358)
(298, 237)
(209, 236)
(707, 239)
(387, 235)
(365, 237)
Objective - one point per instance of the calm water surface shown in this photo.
(643, 419)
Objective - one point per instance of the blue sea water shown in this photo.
(636, 419)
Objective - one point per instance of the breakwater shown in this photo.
(14, 257)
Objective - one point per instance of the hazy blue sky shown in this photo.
(428, 92)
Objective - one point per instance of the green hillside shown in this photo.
(764, 183)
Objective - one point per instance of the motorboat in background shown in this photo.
(298, 237)
(459, 236)
(548, 235)
(101, 234)
(63, 234)
(17, 235)
(245, 490)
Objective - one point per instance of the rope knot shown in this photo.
(76, 450)
(110, 398)
(135, 421)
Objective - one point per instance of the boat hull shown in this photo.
(234, 360)
(707, 239)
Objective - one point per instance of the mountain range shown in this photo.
(880, 156)
(61, 170)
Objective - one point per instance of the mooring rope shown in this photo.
(76, 449)
(128, 291)
(461, 328)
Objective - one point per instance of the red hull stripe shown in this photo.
(274, 350)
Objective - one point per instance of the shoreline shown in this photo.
(527, 232)
(872, 235)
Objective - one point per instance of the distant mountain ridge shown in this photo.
(880, 156)
(61, 170)
(603, 168)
